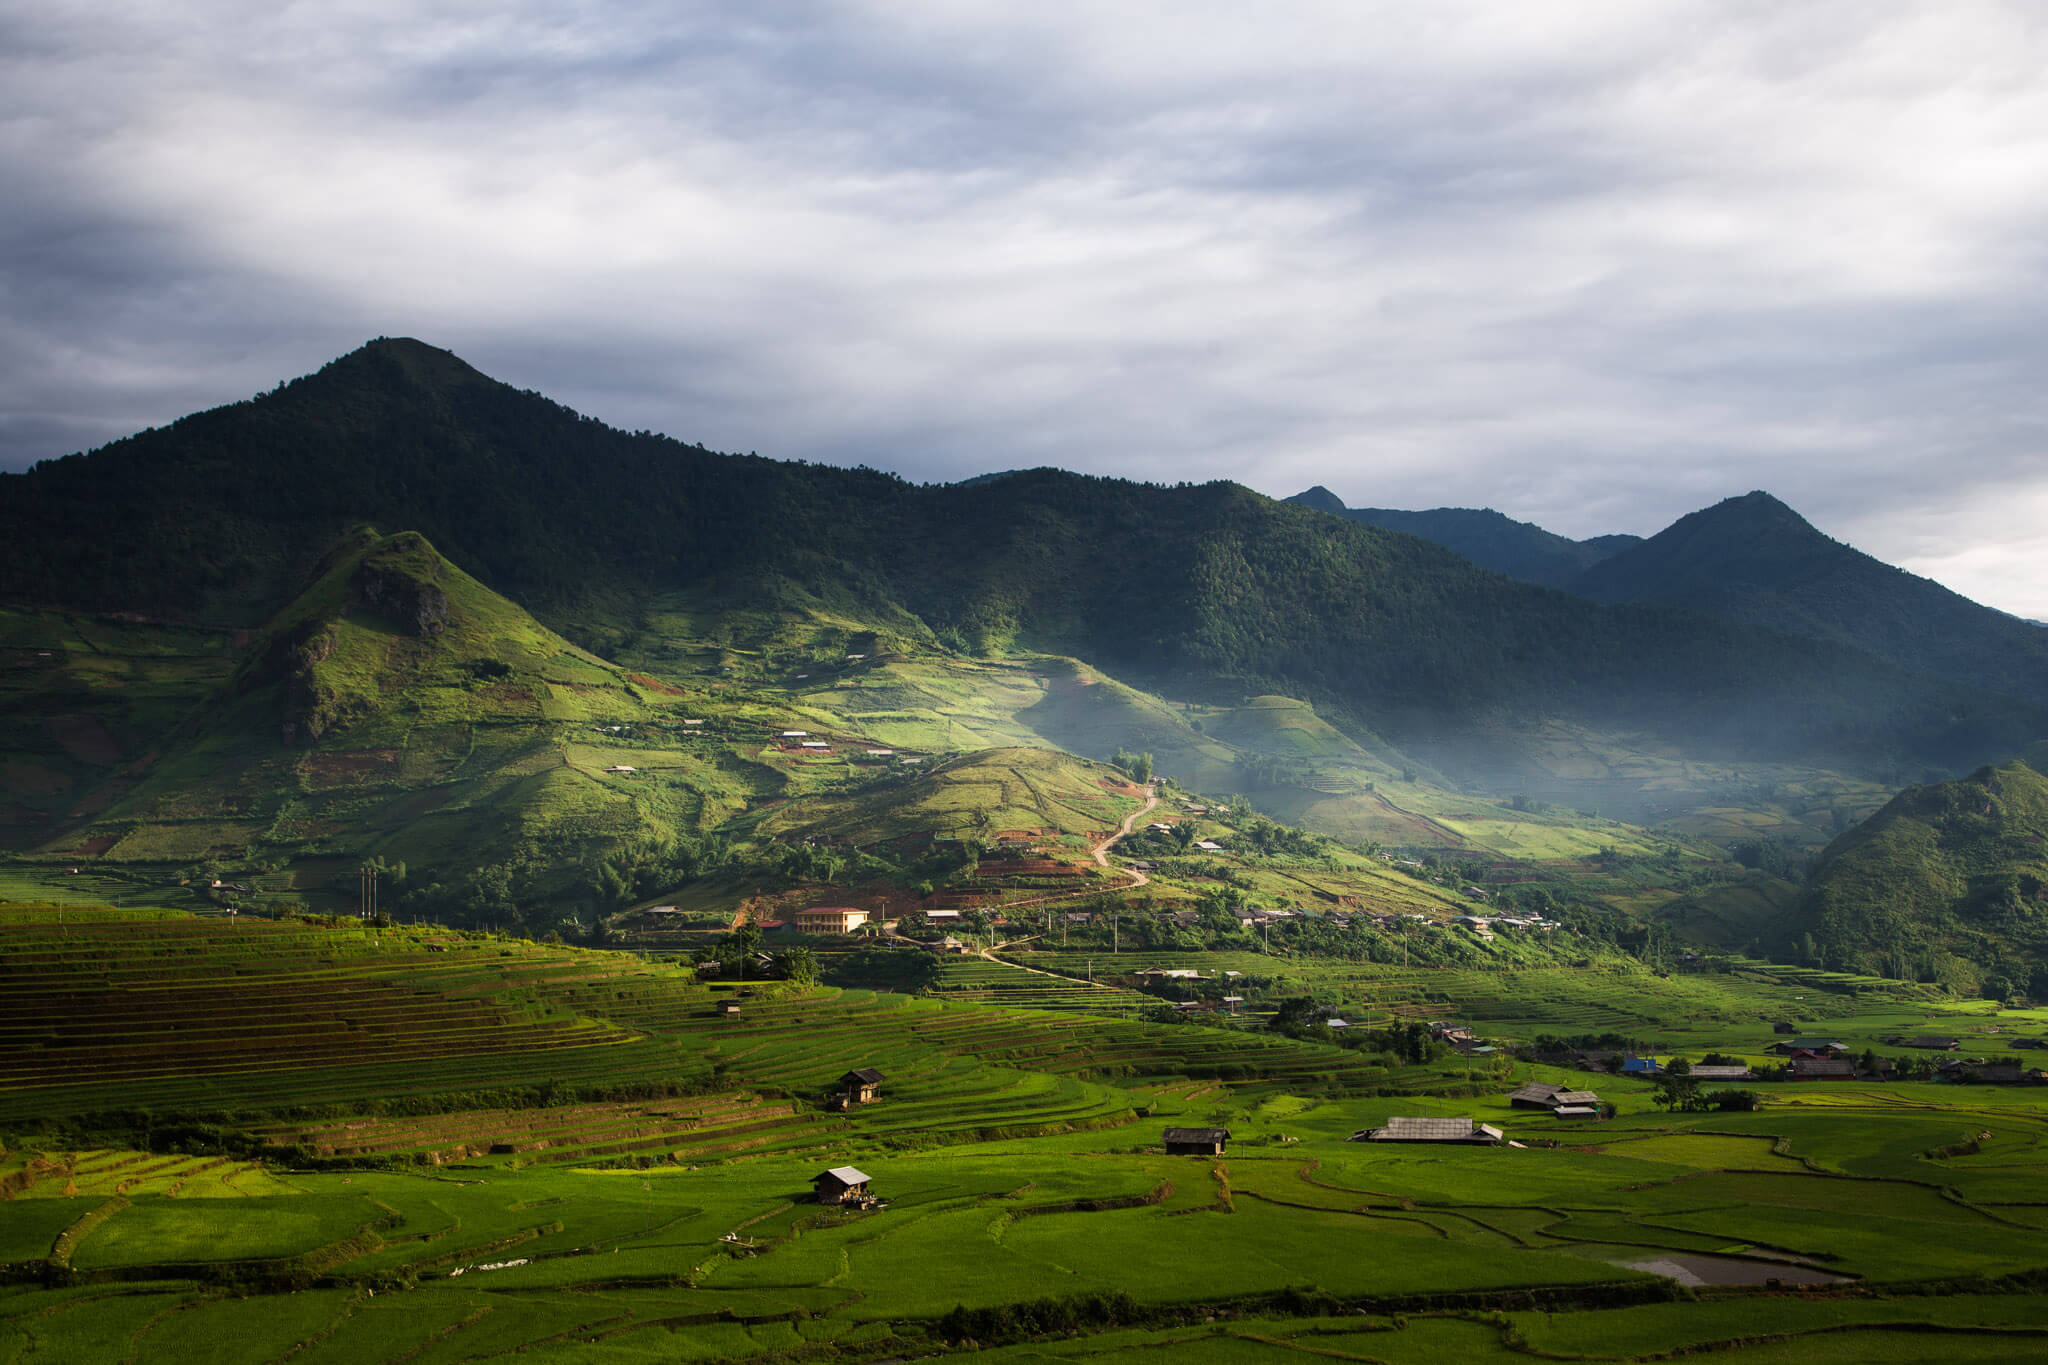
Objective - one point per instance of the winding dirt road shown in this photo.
(1101, 850)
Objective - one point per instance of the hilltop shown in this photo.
(395, 709)
(1948, 882)
(1490, 539)
(1756, 560)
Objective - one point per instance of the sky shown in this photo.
(1595, 265)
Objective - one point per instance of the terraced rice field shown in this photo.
(977, 980)
(131, 1009)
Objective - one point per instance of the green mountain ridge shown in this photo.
(1948, 883)
(1519, 549)
(1754, 559)
(1208, 592)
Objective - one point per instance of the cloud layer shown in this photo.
(1594, 264)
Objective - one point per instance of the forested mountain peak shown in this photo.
(1753, 539)
(1755, 559)
(1320, 498)
(1488, 538)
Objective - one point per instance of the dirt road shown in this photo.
(1101, 850)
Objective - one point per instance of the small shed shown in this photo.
(843, 1185)
(1722, 1073)
(1576, 1111)
(861, 1086)
(729, 1008)
(1196, 1141)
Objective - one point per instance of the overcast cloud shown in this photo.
(1593, 264)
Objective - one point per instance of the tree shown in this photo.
(1680, 1094)
(798, 965)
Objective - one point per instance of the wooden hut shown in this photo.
(842, 1185)
(1196, 1141)
(862, 1086)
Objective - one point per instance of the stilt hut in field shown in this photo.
(844, 1186)
(859, 1087)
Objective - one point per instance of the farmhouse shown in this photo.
(1208, 846)
(843, 1185)
(830, 919)
(1820, 1047)
(1820, 1069)
(1196, 1141)
(1935, 1043)
(1543, 1095)
(1536, 1095)
(1431, 1130)
(1723, 1073)
(862, 1086)
(1639, 1066)
(1576, 1111)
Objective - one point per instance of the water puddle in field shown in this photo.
(1700, 1271)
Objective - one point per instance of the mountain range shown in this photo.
(1751, 559)
(397, 608)
(1211, 591)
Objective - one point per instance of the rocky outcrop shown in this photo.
(418, 607)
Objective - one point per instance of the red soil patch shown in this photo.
(655, 685)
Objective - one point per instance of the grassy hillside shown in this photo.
(396, 710)
(1948, 882)
(974, 796)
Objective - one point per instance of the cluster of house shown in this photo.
(1828, 1059)
(1482, 926)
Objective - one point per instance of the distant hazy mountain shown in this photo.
(1518, 549)
(1754, 559)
